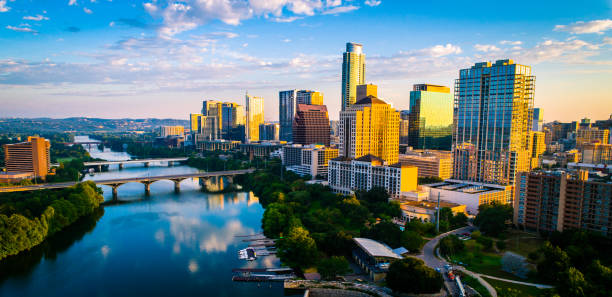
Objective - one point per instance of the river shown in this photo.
(165, 244)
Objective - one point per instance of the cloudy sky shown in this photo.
(114, 59)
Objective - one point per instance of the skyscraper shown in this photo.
(366, 90)
(431, 117)
(269, 131)
(353, 73)
(404, 126)
(370, 126)
(538, 119)
(492, 119)
(309, 97)
(255, 117)
(31, 156)
(286, 112)
(311, 125)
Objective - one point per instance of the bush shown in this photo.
(410, 275)
(451, 245)
(501, 245)
(330, 267)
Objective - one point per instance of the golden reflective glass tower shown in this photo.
(255, 117)
(353, 73)
(492, 119)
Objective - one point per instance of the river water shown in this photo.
(165, 244)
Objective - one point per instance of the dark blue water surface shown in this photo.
(165, 244)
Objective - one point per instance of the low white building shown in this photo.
(470, 194)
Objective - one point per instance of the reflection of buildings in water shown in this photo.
(214, 184)
(252, 199)
(218, 200)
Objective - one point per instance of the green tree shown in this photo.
(387, 232)
(491, 218)
(330, 267)
(412, 241)
(410, 275)
(451, 245)
(297, 249)
(572, 283)
(555, 261)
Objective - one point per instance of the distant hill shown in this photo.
(44, 125)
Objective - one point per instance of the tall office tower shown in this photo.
(366, 90)
(431, 117)
(31, 156)
(194, 122)
(370, 126)
(269, 131)
(232, 116)
(309, 97)
(212, 110)
(538, 119)
(404, 126)
(353, 73)
(254, 117)
(492, 119)
(585, 123)
(286, 112)
(311, 125)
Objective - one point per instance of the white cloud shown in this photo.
(372, 2)
(341, 9)
(87, 10)
(72, 2)
(150, 8)
(3, 7)
(607, 40)
(287, 19)
(286, 40)
(510, 42)
(22, 28)
(38, 17)
(442, 50)
(486, 48)
(596, 26)
(111, 24)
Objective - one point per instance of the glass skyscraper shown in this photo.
(353, 73)
(538, 119)
(431, 117)
(492, 119)
(286, 112)
(254, 117)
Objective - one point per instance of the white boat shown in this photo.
(248, 254)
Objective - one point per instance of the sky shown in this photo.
(157, 58)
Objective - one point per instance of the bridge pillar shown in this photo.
(170, 163)
(115, 195)
(146, 164)
(120, 166)
(147, 187)
(99, 168)
(230, 179)
(177, 184)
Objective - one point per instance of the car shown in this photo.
(448, 267)
(438, 270)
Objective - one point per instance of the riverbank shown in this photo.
(28, 218)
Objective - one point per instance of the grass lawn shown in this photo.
(484, 262)
(523, 243)
(63, 160)
(475, 284)
(502, 287)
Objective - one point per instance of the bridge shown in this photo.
(146, 162)
(146, 181)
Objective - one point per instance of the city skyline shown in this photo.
(158, 60)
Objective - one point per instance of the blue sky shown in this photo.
(162, 58)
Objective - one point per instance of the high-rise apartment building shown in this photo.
(219, 119)
(165, 131)
(269, 131)
(430, 163)
(311, 125)
(597, 153)
(538, 119)
(353, 73)
(31, 156)
(309, 97)
(286, 112)
(366, 90)
(431, 117)
(492, 119)
(370, 126)
(404, 131)
(557, 201)
(311, 159)
(194, 122)
(536, 147)
(255, 117)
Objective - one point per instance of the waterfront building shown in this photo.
(31, 156)
(563, 200)
(292, 154)
(165, 131)
(261, 148)
(366, 90)
(370, 126)
(431, 117)
(353, 73)
(314, 161)
(309, 97)
(311, 125)
(430, 163)
(208, 129)
(597, 153)
(591, 135)
(492, 119)
(538, 119)
(286, 112)
(255, 117)
(269, 131)
(347, 175)
(373, 257)
(404, 127)
(219, 118)
(470, 194)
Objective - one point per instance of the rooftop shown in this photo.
(370, 100)
(467, 187)
(375, 248)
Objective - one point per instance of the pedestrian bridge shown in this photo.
(146, 162)
(145, 180)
